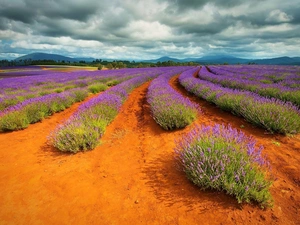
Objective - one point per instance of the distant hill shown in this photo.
(203, 60)
(163, 59)
(209, 59)
(278, 61)
(55, 57)
(221, 59)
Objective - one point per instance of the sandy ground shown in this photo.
(132, 176)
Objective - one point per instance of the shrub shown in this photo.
(58, 90)
(36, 109)
(79, 94)
(271, 114)
(112, 83)
(76, 135)
(100, 66)
(96, 88)
(83, 130)
(15, 120)
(169, 108)
(224, 159)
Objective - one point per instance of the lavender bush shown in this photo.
(272, 83)
(96, 88)
(169, 108)
(15, 90)
(224, 159)
(35, 109)
(271, 114)
(83, 130)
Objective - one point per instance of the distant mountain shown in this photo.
(221, 59)
(85, 59)
(163, 59)
(278, 61)
(55, 57)
(209, 59)
(204, 60)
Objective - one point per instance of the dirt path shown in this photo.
(132, 177)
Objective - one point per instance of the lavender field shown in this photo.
(217, 156)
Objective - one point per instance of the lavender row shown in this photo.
(25, 83)
(263, 73)
(15, 92)
(169, 108)
(273, 78)
(83, 130)
(271, 75)
(32, 110)
(224, 159)
(268, 90)
(36, 109)
(271, 114)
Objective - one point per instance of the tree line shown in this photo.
(99, 63)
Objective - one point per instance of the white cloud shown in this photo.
(131, 29)
(278, 16)
(239, 30)
(143, 30)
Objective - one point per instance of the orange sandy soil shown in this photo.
(132, 177)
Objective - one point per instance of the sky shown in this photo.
(149, 29)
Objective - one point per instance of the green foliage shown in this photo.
(68, 87)
(8, 102)
(174, 116)
(79, 95)
(265, 81)
(96, 88)
(100, 66)
(272, 116)
(80, 136)
(15, 120)
(109, 66)
(58, 90)
(42, 93)
(38, 110)
(112, 82)
(219, 159)
(84, 131)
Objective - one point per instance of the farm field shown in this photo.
(132, 176)
(40, 69)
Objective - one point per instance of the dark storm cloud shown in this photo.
(74, 10)
(196, 4)
(181, 27)
(28, 11)
(294, 12)
(3, 24)
(18, 13)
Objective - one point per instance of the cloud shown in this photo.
(278, 16)
(149, 29)
(143, 30)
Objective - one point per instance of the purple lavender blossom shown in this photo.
(272, 114)
(169, 108)
(94, 115)
(222, 158)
